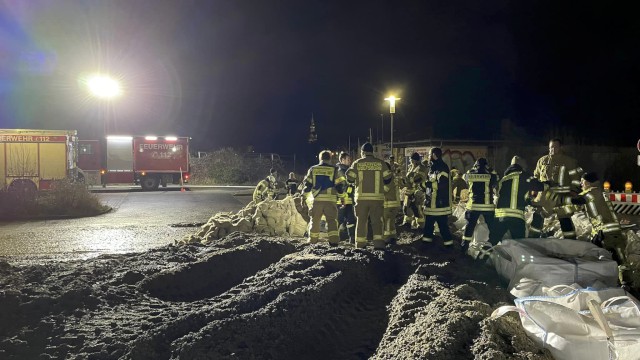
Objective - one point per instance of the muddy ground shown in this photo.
(250, 296)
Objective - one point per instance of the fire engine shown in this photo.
(32, 159)
(148, 161)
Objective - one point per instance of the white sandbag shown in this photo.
(582, 324)
(530, 264)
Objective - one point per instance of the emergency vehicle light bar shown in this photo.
(171, 138)
(119, 138)
(151, 137)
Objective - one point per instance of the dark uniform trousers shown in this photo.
(347, 222)
(502, 225)
(443, 225)
(472, 217)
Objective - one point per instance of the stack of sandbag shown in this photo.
(531, 264)
(581, 323)
(279, 217)
(272, 217)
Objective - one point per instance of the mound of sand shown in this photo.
(252, 296)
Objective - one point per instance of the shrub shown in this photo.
(64, 199)
(228, 167)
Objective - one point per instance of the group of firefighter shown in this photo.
(367, 195)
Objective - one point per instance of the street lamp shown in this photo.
(392, 110)
(103, 87)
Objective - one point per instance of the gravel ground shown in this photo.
(251, 296)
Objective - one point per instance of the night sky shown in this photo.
(239, 73)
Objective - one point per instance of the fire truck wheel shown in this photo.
(149, 183)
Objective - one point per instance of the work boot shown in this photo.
(379, 244)
(464, 245)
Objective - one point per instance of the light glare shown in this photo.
(104, 87)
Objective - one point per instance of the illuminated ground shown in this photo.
(256, 297)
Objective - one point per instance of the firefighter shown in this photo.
(606, 231)
(321, 185)
(561, 175)
(413, 193)
(266, 188)
(457, 184)
(391, 205)
(292, 184)
(437, 198)
(346, 214)
(513, 196)
(482, 181)
(369, 175)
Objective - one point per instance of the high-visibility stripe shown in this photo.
(514, 213)
(515, 183)
(481, 207)
(369, 197)
(391, 203)
(438, 211)
(376, 190)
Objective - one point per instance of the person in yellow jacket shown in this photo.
(391, 206)
(438, 198)
(561, 174)
(605, 227)
(346, 214)
(322, 186)
(369, 175)
(266, 188)
(483, 183)
(414, 193)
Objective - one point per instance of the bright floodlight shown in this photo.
(103, 86)
(392, 103)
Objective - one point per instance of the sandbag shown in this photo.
(582, 324)
(530, 264)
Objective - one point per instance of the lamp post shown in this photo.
(392, 110)
(104, 88)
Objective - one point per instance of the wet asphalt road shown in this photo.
(139, 221)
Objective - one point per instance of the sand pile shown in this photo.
(252, 296)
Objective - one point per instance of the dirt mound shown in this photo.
(250, 296)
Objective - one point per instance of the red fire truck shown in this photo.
(148, 161)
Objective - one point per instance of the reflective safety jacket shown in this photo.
(599, 211)
(438, 189)
(369, 175)
(391, 193)
(416, 176)
(346, 198)
(513, 190)
(457, 185)
(482, 181)
(560, 171)
(322, 181)
(265, 189)
(292, 186)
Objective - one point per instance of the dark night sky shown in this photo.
(238, 73)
